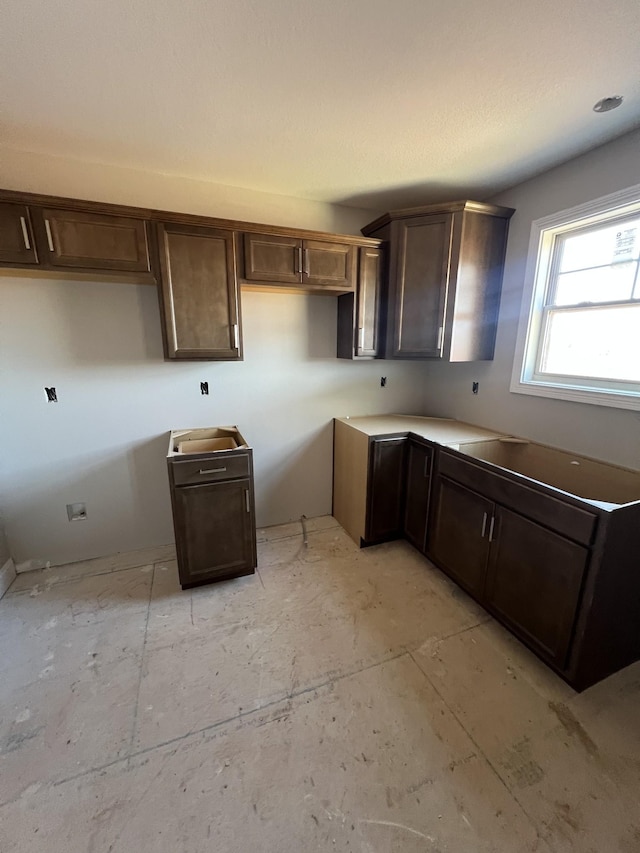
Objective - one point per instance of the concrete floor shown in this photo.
(339, 700)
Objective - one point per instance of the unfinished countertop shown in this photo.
(441, 430)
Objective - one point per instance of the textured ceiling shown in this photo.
(366, 102)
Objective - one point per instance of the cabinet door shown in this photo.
(76, 239)
(417, 504)
(16, 238)
(533, 583)
(268, 257)
(423, 249)
(199, 293)
(368, 302)
(215, 531)
(359, 314)
(459, 534)
(385, 492)
(329, 264)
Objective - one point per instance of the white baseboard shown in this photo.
(7, 576)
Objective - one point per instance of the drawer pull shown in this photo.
(212, 471)
(440, 333)
(47, 226)
(306, 262)
(246, 500)
(484, 524)
(25, 233)
(236, 336)
(425, 473)
(493, 521)
(361, 337)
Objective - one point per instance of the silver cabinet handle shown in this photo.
(361, 337)
(25, 233)
(493, 519)
(299, 270)
(47, 226)
(212, 471)
(306, 262)
(440, 335)
(484, 523)
(425, 472)
(236, 336)
(246, 500)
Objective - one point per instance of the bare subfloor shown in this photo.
(337, 700)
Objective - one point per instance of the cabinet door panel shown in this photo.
(418, 480)
(424, 249)
(214, 530)
(459, 534)
(329, 264)
(534, 582)
(385, 489)
(268, 257)
(368, 301)
(75, 239)
(16, 238)
(199, 292)
(359, 313)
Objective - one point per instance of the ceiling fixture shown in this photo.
(606, 104)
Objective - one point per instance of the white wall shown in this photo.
(606, 433)
(99, 344)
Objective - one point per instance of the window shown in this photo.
(580, 333)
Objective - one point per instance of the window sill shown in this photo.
(610, 399)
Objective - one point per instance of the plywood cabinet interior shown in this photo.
(199, 291)
(445, 275)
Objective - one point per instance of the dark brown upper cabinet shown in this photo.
(359, 313)
(199, 292)
(320, 265)
(17, 245)
(76, 239)
(445, 277)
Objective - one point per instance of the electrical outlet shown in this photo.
(475, 387)
(77, 512)
(204, 388)
(383, 381)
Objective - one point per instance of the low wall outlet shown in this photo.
(475, 387)
(77, 512)
(383, 381)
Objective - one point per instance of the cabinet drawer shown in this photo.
(209, 470)
(553, 512)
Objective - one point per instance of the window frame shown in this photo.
(525, 378)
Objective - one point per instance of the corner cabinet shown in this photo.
(199, 293)
(445, 276)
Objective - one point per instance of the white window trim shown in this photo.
(532, 297)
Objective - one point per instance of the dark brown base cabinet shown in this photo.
(561, 572)
(503, 518)
(212, 499)
(418, 474)
(385, 506)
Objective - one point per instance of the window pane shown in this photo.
(598, 342)
(603, 284)
(607, 245)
